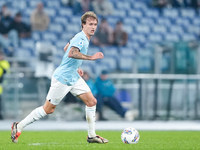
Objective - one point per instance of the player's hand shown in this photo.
(98, 55)
(80, 72)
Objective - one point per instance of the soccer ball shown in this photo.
(130, 136)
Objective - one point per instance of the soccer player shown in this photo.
(67, 78)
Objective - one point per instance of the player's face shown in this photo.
(90, 27)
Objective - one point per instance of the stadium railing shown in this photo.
(162, 96)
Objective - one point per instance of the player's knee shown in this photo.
(49, 111)
(48, 107)
(92, 102)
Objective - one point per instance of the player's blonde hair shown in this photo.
(86, 15)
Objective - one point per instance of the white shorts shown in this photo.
(58, 90)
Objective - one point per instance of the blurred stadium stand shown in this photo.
(146, 27)
(140, 21)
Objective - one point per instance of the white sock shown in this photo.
(35, 115)
(90, 117)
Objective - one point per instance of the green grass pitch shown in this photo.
(76, 140)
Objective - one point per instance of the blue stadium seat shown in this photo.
(111, 62)
(65, 12)
(188, 37)
(94, 49)
(151, 13)
(47, 42)
(135, 13)
(88, 68)
(171, 37)
(126, 63)
(33, 4)
(57, 56)
(138, 37)
(145, 29)
(146, 53)
(127, 52)
(23, 54)
(60, 44)
(196, 21)
(112, 1)
(112, 20)
(120, 5)
(159, 29)
(163, 21)
(139, 4)
(73, 28)
(148, 21)
(176, 29)
(193, 29)
(21, 5)
(182, 21)
(51, 12)
(128, 28)
(52, 36)
(130, 21)
(119, 13)
(53, 27)
(59, 53)
(110, 51)
(26, 19)
(171, 13)
(28, 12)
(75, 20)
(36, 35)
(61, 20)
(133, 44)
(101, 66)
(53, 4)
(66, 36)
(92, 64)
(155, 37)
(187, 13)
(27, 43)
(2, 2)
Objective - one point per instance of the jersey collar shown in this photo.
(85, 36)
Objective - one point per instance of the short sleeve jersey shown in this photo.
(66, 72)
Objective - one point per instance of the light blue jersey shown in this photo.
(66, 72)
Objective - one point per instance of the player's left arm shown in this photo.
(66, 47)
(74, 52)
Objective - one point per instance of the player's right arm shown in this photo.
(74, 52)
(66, 47)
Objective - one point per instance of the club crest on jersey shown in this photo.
(80, 43)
